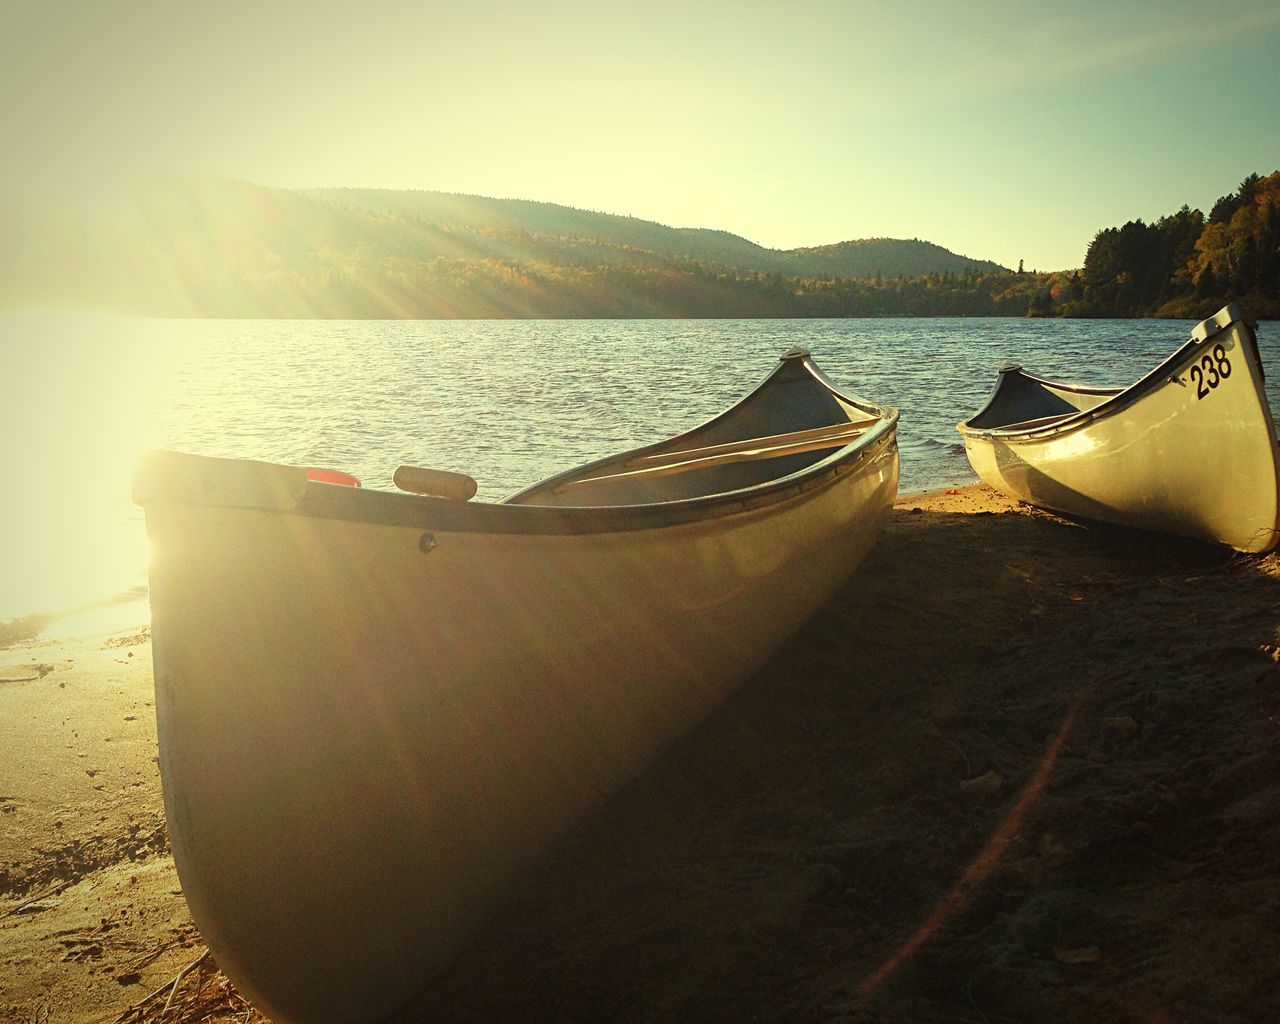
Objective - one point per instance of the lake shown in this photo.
(507, 402)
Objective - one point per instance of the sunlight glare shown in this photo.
(76, 400)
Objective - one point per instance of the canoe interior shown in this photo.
(1020, 399)
(794, 400)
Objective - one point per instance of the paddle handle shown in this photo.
(437, 483)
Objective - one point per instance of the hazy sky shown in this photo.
(1006, 131)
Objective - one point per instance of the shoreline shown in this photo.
(97, 618)
(1021, 767)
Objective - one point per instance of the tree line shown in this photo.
(356, 285)
(1185, 264)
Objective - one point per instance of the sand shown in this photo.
(1021, 768)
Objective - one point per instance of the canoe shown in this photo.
(1188, 449)
(375, 708)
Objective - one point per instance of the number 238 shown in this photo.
(1214, 367)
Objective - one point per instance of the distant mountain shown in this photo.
(883, 257)
(891, 257)
(202, 245)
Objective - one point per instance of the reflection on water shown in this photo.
(508, 402)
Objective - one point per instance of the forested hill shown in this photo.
(210, 247)
(883, 257)
(524, 225)
(512, 220)
(186, 245)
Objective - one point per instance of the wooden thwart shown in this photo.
(749, 450)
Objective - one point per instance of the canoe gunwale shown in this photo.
(390, 509)
(1120, 398)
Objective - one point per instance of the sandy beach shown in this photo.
(1020, 768)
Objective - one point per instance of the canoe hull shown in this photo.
(1180, 457)
(366, 729)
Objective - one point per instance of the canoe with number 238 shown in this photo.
(1188, 449)
(374, 708)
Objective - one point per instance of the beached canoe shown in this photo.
(374, 708)
(1189, 449)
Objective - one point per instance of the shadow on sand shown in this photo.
(1020, 768)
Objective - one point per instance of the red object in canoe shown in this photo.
(331, 476)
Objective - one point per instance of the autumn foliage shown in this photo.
(1186, 265)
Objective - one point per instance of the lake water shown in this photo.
(507, 402)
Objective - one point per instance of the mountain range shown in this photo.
(615, 235)
(204, 245)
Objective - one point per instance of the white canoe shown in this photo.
(374, 708)
(1189, 449)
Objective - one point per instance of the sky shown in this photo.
(1010, 131)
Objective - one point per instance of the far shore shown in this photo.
(1020, 768)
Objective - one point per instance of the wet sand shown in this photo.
(1021, 768)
